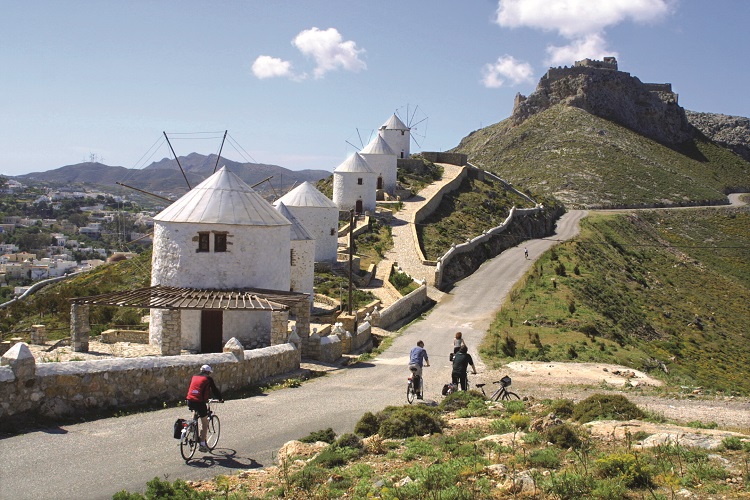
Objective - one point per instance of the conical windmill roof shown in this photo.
(355, 163)
(298, 230)
(394, 123)
(305, 195)
(223, 198)
(377, 146)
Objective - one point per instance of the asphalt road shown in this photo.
(94, 460)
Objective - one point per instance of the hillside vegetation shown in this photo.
(586, 161)
(661, 291)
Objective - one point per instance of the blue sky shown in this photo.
(296, 81)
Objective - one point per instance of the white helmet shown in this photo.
(206, 369)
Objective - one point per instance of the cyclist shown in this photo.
(201, 387)
(417, 357)
(461, 362)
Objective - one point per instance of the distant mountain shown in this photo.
(165, 178)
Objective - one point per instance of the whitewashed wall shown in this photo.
(319, 221)
(385, 167)
(398, 140)
(256, 256)
(303, 267)
(346, 190)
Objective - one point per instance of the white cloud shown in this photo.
(592, 46)
(506, 67)
(271, 67)
(578, 18)
(329, 51)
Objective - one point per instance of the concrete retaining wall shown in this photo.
(403, 308)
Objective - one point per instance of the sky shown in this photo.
(305, 83)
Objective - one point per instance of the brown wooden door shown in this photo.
(358, 207)
(212, 331)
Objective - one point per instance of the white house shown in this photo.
(221, 235)
(318, 215)
(301, 255)
(382, 159)
(354, 184)
(397, 135)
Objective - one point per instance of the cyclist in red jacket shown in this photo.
(201, 387)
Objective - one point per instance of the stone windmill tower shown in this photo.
(221, 235)
(301, 255)
(382, 159)
(354, 185)
(397, 135)
(318, 215)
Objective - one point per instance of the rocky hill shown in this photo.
(598, 137)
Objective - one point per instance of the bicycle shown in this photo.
(190, 437)
(502, 393)
(412, 390)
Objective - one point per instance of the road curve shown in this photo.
(97, 459)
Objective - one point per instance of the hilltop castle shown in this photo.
(600, 88)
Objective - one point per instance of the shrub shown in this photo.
(520, 421)
(610, 489)
(400, 422)
(327, 436)
(532, 437)
(349, 441)
(367, 425)
(562, 407)
(544, 457)
(156, 488)
(513, 406)
(606, 406)
(502, 426)
(568, 486)
(563, 436)
(401, 280)
(461, 399)
(634, 472)
(345, 449)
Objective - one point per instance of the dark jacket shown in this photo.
(461, 362)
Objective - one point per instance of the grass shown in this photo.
(653, 291)
(586, 161)
(460, 462)
(465, 213)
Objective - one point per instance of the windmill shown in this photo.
(416, 120)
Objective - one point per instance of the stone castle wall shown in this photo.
(76, 388)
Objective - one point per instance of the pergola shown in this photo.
(170, 298)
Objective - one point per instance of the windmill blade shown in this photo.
(360, 138)
(352, 145)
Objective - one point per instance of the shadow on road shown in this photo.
(224, 457)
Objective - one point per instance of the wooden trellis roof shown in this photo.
(169, 297)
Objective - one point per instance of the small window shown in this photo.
(220, 242)
(359, 181)
(333, 231)
(291, 257)
(203, 242)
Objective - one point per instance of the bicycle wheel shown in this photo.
(510, 395)
(214, 429)
(410, 394)
(189, 442)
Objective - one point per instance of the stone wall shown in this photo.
(75, 388)
(442, 157)
(403, 308)
(134, 336)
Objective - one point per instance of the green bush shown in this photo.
(401, 280)
(158, 489)
(327, 436)
(461, 399)
(563, 436)
(336, 456)
(349, 441)
(568, 486)
(606, 406)
(548, 458)
(367, 425)
(520, 421)
(400, 422)
(562, 407)
(632, 470)
(732, 443)
(502, 426)
(609, 489)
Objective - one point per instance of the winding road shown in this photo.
(96, 459)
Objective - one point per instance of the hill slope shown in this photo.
(587, 161)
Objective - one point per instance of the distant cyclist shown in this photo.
(418, 357)
(201, 388)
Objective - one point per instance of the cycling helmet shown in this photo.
(206, 369)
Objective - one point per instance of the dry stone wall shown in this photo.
(75, 388)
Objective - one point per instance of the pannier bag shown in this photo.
(178, 425)
(450, 357)
(505, 380)
(448, 389)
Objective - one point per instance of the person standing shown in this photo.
(526, 253)
(458, 342)
(461, 362)
(417, 358)
(199, 392)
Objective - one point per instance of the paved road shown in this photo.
(97, 459)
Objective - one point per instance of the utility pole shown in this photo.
(351, 257)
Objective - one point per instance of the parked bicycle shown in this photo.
(415, 387)
(190, 437)
(502, 393)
